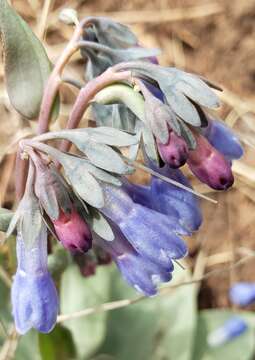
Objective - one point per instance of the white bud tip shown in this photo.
(68, 16)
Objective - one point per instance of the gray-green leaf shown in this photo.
(27, 66)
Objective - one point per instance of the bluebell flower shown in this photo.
(153, 235)
(232, 328)
(34, 296)
(167, 198)
(137, 270)
(223, 139)
(242, 293)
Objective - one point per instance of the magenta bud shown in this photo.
(174, 152)
(73, 231)
(209, 165)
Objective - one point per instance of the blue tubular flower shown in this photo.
(136, 269)
(34, 296)
(232, 328)
(242, 293)
(153, 235)
(140, 194)
(168, 198)
(223, 139)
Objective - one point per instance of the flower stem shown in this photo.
(87, 93)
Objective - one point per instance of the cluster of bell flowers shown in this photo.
(148, 223)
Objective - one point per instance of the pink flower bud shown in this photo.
(175, 151)
(209, 165)
(73, 231)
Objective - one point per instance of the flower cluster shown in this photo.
(89, 206)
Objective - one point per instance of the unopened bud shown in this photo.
(209, 165)
(73, 231)
(174, 152)
(69, 16)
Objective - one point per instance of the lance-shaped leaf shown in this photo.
(181, 105)
(100, 225)
(149, 144)
(27, 66)
(51, 191)
(82, 181)
(105, 157)
(5, 219)
(47, 195)
(158, 115)
(111, 136)
(113, 34)
(197, 90)
(28, 218)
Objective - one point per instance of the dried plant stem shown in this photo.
(166, 290)
(42, 20)
(9, 347)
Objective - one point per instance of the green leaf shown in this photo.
(5, 219)
(27, 66)
(57, 345)
(242, 347)
(165, 324)
(78, 293)
(101, 226)
(28, 347)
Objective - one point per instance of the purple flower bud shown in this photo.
(73, 231)
(223, 139)
(174, 152)
(136, 269)
(153, 235)
(242, 293)
(209, 165)
(34, 296)
(232, 328)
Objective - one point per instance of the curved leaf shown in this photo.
(27, 66)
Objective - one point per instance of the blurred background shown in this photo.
(217, 40)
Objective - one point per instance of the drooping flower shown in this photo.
(209, 165)
(153, 235)
(140, 272)
(34, 296)
(233, 327)
(242, 293)
(222, 138)
(175, 152)
(52, 192)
